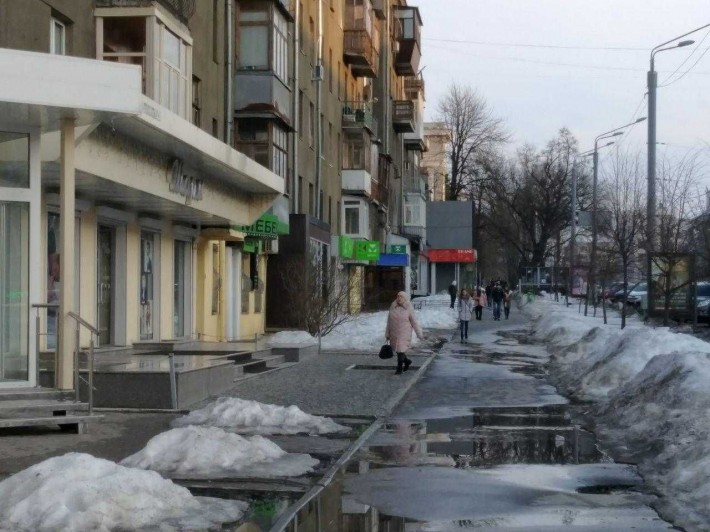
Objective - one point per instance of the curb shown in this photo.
(327, 478)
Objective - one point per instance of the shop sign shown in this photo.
(346, 247)
(398, 249)
(267, 226)
(187, 186)
(393, 259)
(251, 245)
(367, 250)
(451, 255)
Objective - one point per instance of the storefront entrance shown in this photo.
(106, 247)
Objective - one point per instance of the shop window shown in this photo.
(258, 295)
(216, 279)
(246, 290)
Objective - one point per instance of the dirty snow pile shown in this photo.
(366, 331)
(210, 452)
(78, 492)
(251, 417)
(652, 397)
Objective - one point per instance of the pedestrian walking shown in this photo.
(479, 301)
(452, 292)
(507, 298)
(400, 324)
(465, 313)
(497, 295)
(489, 289)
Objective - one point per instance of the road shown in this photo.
(484, 441)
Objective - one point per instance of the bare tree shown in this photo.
(529, 199)
(475, 133)
(623, 214)
(317, 294)
(679, 203)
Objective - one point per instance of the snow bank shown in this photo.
(78, 492)
(251, 417)
(210, 452)
(366, 332)
(651, 391)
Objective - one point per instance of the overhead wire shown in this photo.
(693, 52)
(543, 46)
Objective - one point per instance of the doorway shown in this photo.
(106, 278)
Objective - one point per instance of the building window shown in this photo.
(280, 152)
(312, 124)
(330, 70)
(215, 128)
(196, 102)
(263, 39)
(300, 195)
(215, 31)
(352, 217)
(167, 75)
(300, 114)
(57, 37)
(301, 28)
(311, 200)
(253, 139)
(314, 52)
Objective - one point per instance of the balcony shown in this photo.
(403, 116)
(414, 223)
(408, 54)
(182, 9)
(357, 182)
(261, 94)
(360, 53)
(358, 115)
(380, 194)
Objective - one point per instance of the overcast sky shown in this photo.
(569, 76)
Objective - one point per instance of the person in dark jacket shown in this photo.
(497, 295)
(489, 289)
(452, 293)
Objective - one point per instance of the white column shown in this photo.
(433, 278)
(66, 327)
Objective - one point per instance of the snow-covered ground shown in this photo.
(651, 394)
(77, 492)
(366, 331)
(210, 452)
(251, 417)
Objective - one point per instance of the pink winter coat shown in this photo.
(400, 323)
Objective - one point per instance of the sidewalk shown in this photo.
(327, 384)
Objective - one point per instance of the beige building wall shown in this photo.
(434, 162)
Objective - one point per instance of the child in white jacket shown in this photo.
(465, 313)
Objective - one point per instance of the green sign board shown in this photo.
(251, 245)
(365, 250)
(398, 249)
(267, 226)
(346, 247)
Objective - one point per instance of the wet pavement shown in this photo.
(484, 441)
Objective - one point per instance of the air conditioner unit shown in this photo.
(271, 246)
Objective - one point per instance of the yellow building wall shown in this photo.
(210, 326)
(252, 323)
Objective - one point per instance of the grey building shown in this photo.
(450, 240)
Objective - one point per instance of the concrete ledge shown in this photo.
(295, 353)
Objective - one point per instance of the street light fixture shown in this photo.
(592, 262)
(652, 83)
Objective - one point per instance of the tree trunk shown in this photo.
(626, 287)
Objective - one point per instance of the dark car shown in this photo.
(703, 300)
(612, 289)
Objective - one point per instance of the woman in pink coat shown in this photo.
(400, 323)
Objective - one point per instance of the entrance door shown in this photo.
(14, 291)
(106, 247)
(181, 287)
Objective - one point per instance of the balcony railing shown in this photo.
(379, 193)
(403, 116)
(408, 29)
(360, 52)
(413, 84)
(359, 115)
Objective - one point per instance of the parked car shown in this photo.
(613, 288)
(703, 301)
(637, 296)
(618, 296)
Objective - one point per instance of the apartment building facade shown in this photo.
(123, 203)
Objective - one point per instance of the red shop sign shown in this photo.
(451, 255)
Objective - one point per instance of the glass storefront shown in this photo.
(149, 242)
(14, 291)
(14, 160)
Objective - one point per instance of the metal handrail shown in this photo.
(77, 376)
(83, 322)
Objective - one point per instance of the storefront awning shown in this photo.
(450, 255)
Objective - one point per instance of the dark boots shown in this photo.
(403, 363)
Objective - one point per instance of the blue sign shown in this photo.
(393, 259)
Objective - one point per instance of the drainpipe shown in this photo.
(319, 107)
(296, 106)
(229, 77)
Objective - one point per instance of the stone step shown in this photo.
(77, 423)
(14, 407)
(47, 394)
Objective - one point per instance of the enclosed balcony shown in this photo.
(408, 53)
(357, 164)
(404, 116)
(261, 95)
(358, 115)
(361, 37)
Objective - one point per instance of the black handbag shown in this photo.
(386, 352)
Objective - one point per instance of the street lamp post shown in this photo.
(652, 83)
(592, 262)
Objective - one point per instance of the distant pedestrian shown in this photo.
(497, 295)
(400, 324)
(465, 313)
(479, 301)
(507, 298)
(489, 289)
(452, 293)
